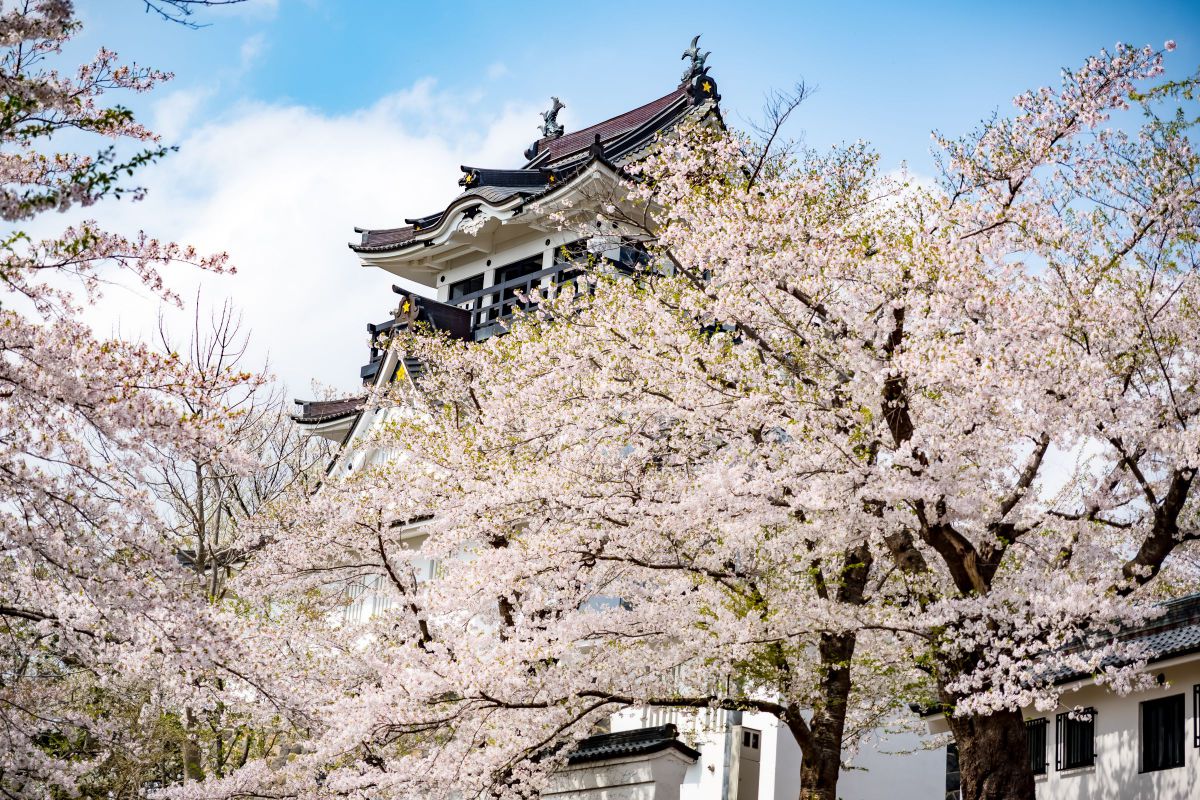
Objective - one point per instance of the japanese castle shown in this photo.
(477, 260)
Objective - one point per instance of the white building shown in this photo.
(1144, 746)
(493, 244)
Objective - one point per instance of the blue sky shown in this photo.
(299, 118)
(886, 72)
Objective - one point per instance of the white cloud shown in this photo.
(497, 70)
(176, 111)
(281, 187)
(250, 51)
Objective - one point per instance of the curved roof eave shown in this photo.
(448, 225)
(436, 231)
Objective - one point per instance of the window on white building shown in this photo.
(1076, 739)
(1162, 733)
(1035, 732)
(1196, 715)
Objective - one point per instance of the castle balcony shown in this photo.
(413, 309)
(488, 311)
(492, 307)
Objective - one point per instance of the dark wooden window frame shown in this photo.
(465, 282)
(1035, 730)
(1083, 725)
(1150, 749)
(1196, 715)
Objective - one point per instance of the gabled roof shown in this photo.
(616, 142)
(313, 412)
(643, 122)
(641, 741)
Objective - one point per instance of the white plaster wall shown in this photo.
(1115, 775)
(511, 251)
(779, 775)
(703, 730)
(655, 777)
(896, 766)
(784, 763)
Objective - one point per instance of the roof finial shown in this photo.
(550, 126)
(697, 66)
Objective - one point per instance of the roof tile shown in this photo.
(641, 741)
(560, 147)
(314, 411)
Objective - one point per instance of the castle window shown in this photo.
(1196, 715)
(1076, 745)
(509, 296)
(1162, 733)
(462, 288)
(1035, 732)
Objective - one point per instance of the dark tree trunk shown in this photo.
(821, 761)
(819, 775)
(993, 756)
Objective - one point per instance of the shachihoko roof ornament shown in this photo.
(696, 68)
(550, 124)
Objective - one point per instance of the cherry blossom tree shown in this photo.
(1000, 371)
(93, 597)
(848, 438)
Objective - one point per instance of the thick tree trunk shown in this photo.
(821, 762)
(993, 756)
(822, 759)
(819, 775)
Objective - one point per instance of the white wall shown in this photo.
(895, 767)
(654, 777)
(1115, 775)
(891, 767)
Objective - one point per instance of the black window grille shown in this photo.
(1075, 737)
(1196, 715)
(1035, 732)
(509, 297)
(467, 286)
(1162, 733)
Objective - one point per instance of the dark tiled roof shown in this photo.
(623, 138)
(1175, 633)
(498, 194)
(478, 176)
(314, 411)
(385, 238)
(576, 142)
(630, 743)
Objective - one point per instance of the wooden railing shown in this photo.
(481, 314)
(491, 306)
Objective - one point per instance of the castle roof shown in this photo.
(313, 412)
(555, 158)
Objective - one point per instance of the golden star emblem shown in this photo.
(706, 86)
